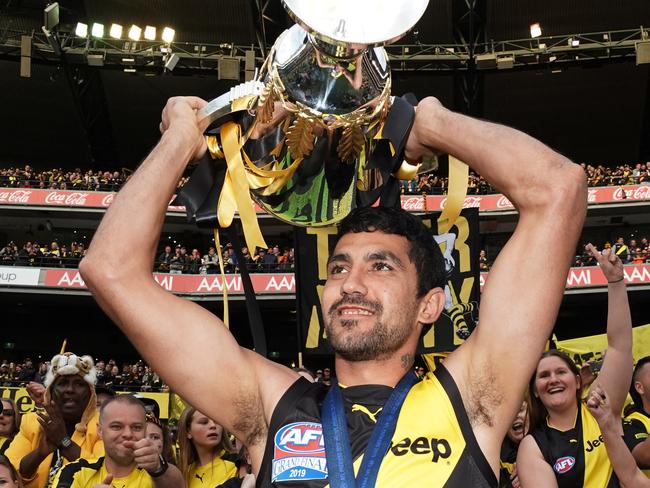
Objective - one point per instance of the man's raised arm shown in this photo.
(188, 345)
(520, 301)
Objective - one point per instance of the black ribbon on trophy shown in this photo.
(317, 133)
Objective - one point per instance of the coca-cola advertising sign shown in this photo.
(15, 196)
(635, 193)
(77, 199)
(411, 203)
(108, 199)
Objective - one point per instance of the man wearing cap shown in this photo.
(66, 431)
(131, 459)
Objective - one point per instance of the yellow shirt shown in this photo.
(86, 474)
(212, 474)
(29, 436)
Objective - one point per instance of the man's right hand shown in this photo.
(418, 144)
(180, 116)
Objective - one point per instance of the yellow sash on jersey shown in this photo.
(598, 468)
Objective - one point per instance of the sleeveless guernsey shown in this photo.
(433, 444)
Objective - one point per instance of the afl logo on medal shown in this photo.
(564, 464)
(299, 452)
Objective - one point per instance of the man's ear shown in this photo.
(99, 431)
(431, 306)
(638, 386)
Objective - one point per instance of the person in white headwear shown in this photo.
(67, 430)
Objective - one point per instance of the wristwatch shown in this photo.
(65, 442)
(161, 470)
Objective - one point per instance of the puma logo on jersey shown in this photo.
(360, 408)
(591, 445)
(438, 448)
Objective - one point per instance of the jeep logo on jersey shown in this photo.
(564, 464)
(301, 438)
(437, 448)
(299, 453)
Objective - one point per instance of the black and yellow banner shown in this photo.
(590, 348)
(25, 404)
(459, 245)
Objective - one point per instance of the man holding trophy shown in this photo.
(315, 141)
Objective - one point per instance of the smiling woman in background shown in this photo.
(564, 447)
(205, 450)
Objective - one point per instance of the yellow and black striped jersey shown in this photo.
(88, 473)
(433, 444)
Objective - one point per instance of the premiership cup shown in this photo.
(318, 132)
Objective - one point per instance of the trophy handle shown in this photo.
(221, 106)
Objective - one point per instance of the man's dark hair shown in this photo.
(424, 252)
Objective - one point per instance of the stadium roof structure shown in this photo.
(582, 86)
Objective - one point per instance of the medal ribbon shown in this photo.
(337, 440)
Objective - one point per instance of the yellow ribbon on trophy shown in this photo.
(235, 195)
(456, 193)
(242, 175)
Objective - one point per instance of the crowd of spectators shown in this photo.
(171, 259)
(429, 183)
(631, 251)
(177, 260)
(599, 175)
(127, 377)
(60, 179)
(53, 255)
(638, 174)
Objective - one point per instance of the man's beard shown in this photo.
(378, 342)
(121, 456)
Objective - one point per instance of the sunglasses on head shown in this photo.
(7, 412)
